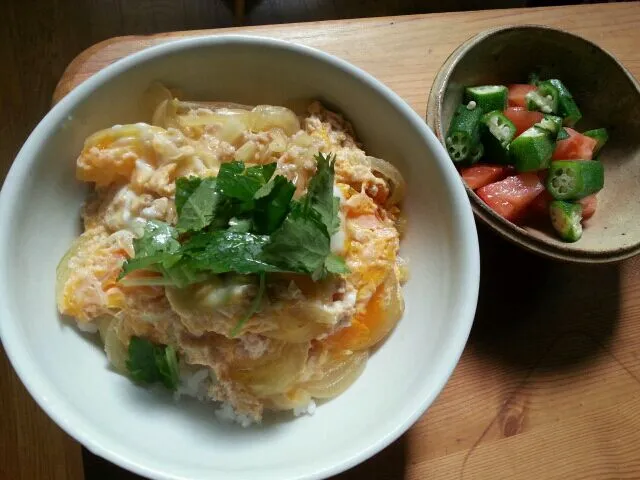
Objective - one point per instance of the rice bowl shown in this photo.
(402, 377)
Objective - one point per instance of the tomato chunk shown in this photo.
(522, 118)
(481, 175)
(540, 205)
(589, 205)
(576, 147)
(510, 197)
(517, 94)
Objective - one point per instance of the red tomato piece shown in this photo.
(589, 205)
(517, 94)
(522, 118)
(481, 175)
(540, 205)
(510, 197)
(576, 147)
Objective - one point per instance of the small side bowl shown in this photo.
(608, 96)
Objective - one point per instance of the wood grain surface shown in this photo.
(549, 384)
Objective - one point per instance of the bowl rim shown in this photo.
(506, 229)
(71, 421)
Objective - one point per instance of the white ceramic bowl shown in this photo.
(145, 431)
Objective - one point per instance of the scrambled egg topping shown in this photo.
(309, 339)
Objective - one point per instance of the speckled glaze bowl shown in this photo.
(608, 96)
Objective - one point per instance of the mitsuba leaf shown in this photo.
(199, 207)
(158, 245)
(150, 363)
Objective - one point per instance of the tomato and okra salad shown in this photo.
(516, 147)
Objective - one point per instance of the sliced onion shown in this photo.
(191, 105)
(278, 376)
(116, 350)
(295, 398)
(153, 97)
(337, 374)
(166, 115)
(393, 175)
(247, 152)
(279, 141)
(266, 117)
(303, 139)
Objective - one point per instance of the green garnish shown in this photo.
(242, 221)
(151, 363)
(255, 306)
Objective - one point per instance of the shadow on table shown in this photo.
(528, 305)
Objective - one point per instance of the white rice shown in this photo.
(308, 409)
(195, 382)
(87, 327)
(227, 414)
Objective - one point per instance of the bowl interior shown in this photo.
(607, 95)
(145, 430)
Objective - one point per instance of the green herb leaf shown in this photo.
(272, 203)
(185, 186)
(158, 244)
(301, 244)
(226, 251)
(151, 363)
(335, 264)
(255, 306)
(198, 208)
(234, 182)
(320, 193)
(262, 173)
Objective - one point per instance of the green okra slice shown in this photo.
(496, 133)
(566, 219)
(552, 124)
(567, 106)
(532, 149)
(574, 179)
(601, 136)
(487, 97)
(544, 98)
(464, 133)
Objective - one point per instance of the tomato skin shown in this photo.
(576, 147)
(522, 118)
(478, 176)
(540, 206)
(517, 94)
(589, 206)
(510, 197)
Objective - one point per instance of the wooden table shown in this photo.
(549, 384)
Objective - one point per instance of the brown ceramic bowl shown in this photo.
(607, 95)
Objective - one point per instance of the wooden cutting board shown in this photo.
(549, 384)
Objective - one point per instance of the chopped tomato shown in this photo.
(589, 205)
(510, 197)
(481, 175)
(540, 205)
(522, 118)
(576, 147)
(517, 94)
